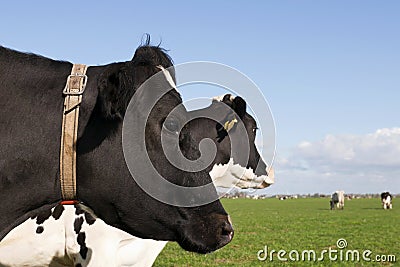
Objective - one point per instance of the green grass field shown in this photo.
(300, 224)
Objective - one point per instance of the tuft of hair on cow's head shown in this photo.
(119, 81)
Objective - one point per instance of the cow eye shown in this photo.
(172, 125)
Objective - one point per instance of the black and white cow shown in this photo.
(386, 199)
(30, 127)
(112, 247)
(337, 200)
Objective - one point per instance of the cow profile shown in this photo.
(31, 115)
(386, 199)
(337, 200)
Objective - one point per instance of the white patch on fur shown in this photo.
(115, 248)
(168, 77)
(136, 252)
(109, 246)
(387, 202)
(22, 246)
(219, 98)
(233, 175)
(340, 203)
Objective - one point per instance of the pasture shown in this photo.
(300, 224)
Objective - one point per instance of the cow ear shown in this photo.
(115, 91)
(227, 99)
(108, 90)
(239, 106)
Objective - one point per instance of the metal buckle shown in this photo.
(80, 92)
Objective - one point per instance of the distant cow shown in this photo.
(386, 199)
(337, 200)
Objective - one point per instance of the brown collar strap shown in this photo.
(73, 91)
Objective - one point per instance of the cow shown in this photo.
(217, 123)
(254, 174)
(386, 199)
(31, 105)
(337, 200)
(112, 247)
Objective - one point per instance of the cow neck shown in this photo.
(73, 91)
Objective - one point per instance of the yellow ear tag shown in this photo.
(229, 124)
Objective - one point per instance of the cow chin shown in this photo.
(207, 234)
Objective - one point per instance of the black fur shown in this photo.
(78, 209)
(39, 229)
(78, 224)
(43, 216)
(89, 218)
(57, 212)
(81, 239)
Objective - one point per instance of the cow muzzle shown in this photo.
(207, 234)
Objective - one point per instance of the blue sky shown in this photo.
(329, 70)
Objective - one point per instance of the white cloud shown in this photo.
(358, 161)
(351, 152)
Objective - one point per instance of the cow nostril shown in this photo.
(227, 230)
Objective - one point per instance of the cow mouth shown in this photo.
(226, 237)
(202, 249)
(207, 236)
(235, 175)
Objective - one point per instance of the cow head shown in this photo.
(104, 181)
(221, 123)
